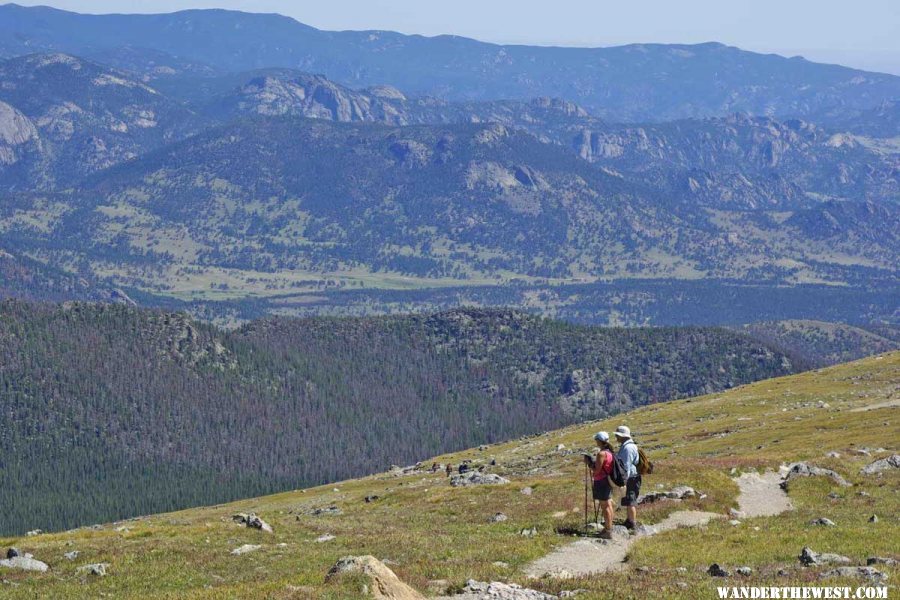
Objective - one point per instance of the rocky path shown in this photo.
(587, 556)
(761, 495)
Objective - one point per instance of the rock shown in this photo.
(324, 538)
(34, 532)
(500, 564)
(13, 552)
(476, 478)
(252, 521)
(384, 583)
(560, 447)
(437, 587)
(744, 571)
(642, 529)
(716, 571)
(245, 549)
(370, 499)
(329, 511)
(833, 454)
(72, 555)
(680, 492)
(891, 462)
(571, 593)
(734, 522)
(529, 532)
(26, 563)
(860, 572)
(873, 519)
(502, 591)
(620, 530)
(809, 558)
(822, 521)
(802, 469)
(834, 495)
(735, 513)
(527, 491)
(499, 518)
(880, 560)
(96, 569)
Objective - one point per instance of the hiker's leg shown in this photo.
(607, 513)
(632, 514)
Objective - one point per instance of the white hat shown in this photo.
(601, 436)
(623, 431)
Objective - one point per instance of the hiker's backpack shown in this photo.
(644, 466)
(617, 471)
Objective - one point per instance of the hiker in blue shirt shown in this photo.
(628, 454)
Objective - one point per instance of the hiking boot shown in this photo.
(606, 534)
(629, 525)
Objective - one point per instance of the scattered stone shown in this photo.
(96, 569)
(873, 519)
(735, 513)
(571, 593)
(477, 478)
(384, 583)
(72, 555)
(332, 511)
(529, 532)
(245, 549)
(500, 564)
(833, 454)
(642, 529)
(34, 532)
(891, 462)
(324, 538)
(802, 469)
(734, 522)
(822, 521)
(880, 560)
(252, 521)
(560, 447)
(499, 518)
(744, 571)
(863, 493)
(860, 572)
(370, 499)
(13, 552)
(834, 495)
(809, 558)
(716, 571)
(502, 591)
(680, 492)
(26, 563)
(527, 491)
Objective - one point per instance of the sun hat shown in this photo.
(623, 431)
(601, 436)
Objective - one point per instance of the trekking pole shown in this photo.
(587, 474)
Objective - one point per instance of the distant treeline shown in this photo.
(109, 411)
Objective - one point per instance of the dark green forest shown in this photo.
(110, 411)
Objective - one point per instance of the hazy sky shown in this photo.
(859, 33)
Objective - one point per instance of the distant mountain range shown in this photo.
(154, 162)
(629, 83)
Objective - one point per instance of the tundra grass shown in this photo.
(426, 530)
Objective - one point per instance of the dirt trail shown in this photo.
(761, 495)
(588, 556)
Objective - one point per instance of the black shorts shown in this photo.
(632, 491)
(602, 489)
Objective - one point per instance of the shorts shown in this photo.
(602, 489)
(632, 491)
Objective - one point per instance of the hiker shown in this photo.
(601, 466)
(449, 469)
(628, 454)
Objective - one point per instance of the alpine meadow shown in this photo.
(294, 312)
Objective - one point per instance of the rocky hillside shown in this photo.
(133, 411)
(687, 80)
(717, 461)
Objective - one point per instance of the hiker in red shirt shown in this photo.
(601, 466)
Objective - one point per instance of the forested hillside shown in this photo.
(111, 411)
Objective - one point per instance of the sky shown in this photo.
(857, 33)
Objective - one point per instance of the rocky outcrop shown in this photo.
(252, 521)
(860, 572)
(681, 492)
(477, 478)
(802, 469)
(884, 464)
(24, 563)
(495, 590)
(15, 130)
(810, 558)
(384, 583)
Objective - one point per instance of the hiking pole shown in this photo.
(587, 478)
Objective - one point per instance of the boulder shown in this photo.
(880, 560)
(744, 571)
(501, 591)
(72, 555)
(252, 521)
(810, 558)
(680, 492)
(527, 491)
(860, 572)
(13, 552)
(324, 538)
(384, 583)
(96, 569)
(873, 519)
(891, 462)
(822, 521)
(25, 563)
(717, 571)
(245, 549)
(499, 518)
(803, 469)
(477, 478)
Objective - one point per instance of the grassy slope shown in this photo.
(433, 531)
